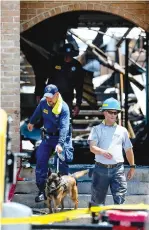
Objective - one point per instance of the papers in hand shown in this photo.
(116, 152)
(112, 149)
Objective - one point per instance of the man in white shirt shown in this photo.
(107, 141)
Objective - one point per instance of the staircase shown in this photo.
(138, 188)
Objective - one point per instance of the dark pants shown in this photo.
(105, 177)
(43, 154)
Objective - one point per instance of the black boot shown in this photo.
(41, 197)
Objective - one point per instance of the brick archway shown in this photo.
(138, 13)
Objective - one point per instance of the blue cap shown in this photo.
(50, 90)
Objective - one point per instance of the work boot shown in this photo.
(41, 197)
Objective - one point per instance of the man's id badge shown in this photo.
(45, 111)
(58, 67)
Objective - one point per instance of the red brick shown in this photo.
(12, 73)
(6, 56)
(76, 6)
(10, 13)
(16, 79)
(51, 5)
(10, 92)
(39, 11)
(30, 11)
(10, 37)
(7, 19)
(8, 5)
(7, 43)
(6, 68)
(17, 43)
(16, 19)
(7, 104)
(6, 79)
(23, 5)
(30, 16)
(35, 20)
(16, 67)
(90, 6)
(9, 97)
(23, 17)
(40, 17)
(25, 27)
(10, 50)
(8, 25)
(135, 5)
(83, 5)
(52, 12)
(7, 31)
(10, 61)
(35, 5)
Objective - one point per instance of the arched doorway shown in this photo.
(82, 18)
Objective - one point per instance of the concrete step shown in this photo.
(84, 199)
(86, 121)
(141, 173)
(84, 187)
(90, 112)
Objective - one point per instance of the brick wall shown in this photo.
(10, 65)
(36, 11)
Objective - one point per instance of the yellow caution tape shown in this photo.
(46, 219)
(3, 134)
(132, 207)
(70, 215)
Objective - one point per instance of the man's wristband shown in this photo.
(133, 166)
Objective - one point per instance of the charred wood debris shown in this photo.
(105, 77)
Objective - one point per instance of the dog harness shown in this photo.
(63, 184)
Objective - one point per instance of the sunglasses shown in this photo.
(111, 112)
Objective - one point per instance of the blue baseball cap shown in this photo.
(50, 90)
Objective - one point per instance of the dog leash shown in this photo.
(57, 166)
(60, 157)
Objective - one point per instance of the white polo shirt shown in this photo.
(112, 138)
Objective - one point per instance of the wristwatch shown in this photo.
(133, 166)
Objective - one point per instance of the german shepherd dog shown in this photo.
(57, 187)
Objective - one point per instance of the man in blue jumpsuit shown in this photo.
(56, 115)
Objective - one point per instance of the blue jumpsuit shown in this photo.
(57, 127)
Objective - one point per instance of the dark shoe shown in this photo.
(41, 197)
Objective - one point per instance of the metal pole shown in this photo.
(126, 82)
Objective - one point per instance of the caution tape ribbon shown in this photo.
(69, 215)
(132, 207)
(3, 134)
(46, 219)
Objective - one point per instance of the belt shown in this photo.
(109, 166)
(53, 134)
(44, 132)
